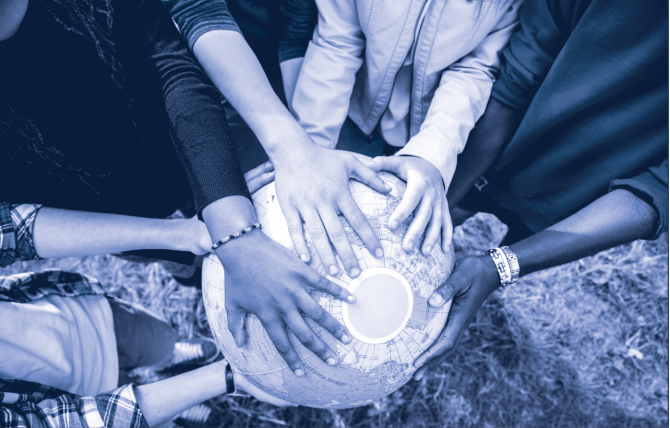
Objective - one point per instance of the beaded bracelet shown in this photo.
(237, 235)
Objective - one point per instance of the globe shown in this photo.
(391, 321)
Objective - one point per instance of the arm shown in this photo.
(328, 73)
(614, 219)
(428, 161)
(165, 399)
(201, 136)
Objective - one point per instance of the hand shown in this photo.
(313, 183)
(260, 176)
(268, 280)
(425, 196)
(243, 384)
(472, 281)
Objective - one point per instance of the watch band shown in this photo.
(513, 262)
(230, 379)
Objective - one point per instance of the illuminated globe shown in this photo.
(391, 322)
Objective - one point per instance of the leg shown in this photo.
(141, 338)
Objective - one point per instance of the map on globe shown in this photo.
(367, 370)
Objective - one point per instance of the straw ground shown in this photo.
(584, 344)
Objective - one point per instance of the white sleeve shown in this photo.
(326, 80)
(461, 98)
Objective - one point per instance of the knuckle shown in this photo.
(306, 339)
(316, 232)
(336, 233)
(358, 220)
(317, 314)
(283, 348)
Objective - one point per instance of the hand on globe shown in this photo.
(425, 196)
(260, 176)
(313, 184)
(472, 281)
(268, 280)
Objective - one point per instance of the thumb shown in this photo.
(368, 177)
(205, 243)
(386, 163)
(236, 317)
(458, 281)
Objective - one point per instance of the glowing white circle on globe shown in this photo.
(384, 304)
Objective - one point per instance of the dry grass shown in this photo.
(585, 344)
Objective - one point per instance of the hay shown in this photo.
(584, 344)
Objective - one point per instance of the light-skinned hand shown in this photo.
(313, 185)
(425, 197)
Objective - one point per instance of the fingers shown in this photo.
(409, 202)
(433, 232)
(320, 283)
(296, 232)
(338, 236)
(259, 176)
(313, 310)
(310, 340)
(447, 227)
(277, 333)
(320, 241)
(386, 163)
(361, 226)
(421, 218)
(368, 176)
(236, 317)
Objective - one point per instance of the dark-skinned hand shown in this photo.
(472, 281)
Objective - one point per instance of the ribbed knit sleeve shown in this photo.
(197, 17)
(196, 118)
(652, 187)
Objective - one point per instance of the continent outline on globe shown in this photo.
(366, 371)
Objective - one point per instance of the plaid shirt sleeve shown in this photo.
(16, 232)
(29, 404)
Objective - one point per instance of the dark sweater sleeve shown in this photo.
(197, 17)
(532, 51)
(652, 187)
(300, 18)
(196, 118)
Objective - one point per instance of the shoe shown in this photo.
(190, 354)
(201, 416)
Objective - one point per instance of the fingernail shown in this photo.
(379, 253)
(304, 258)
(298, 372)
(410, 245)
(427, 250)
(436, 300)
(355, 272)
(331, 361)
(346, 339)
(419, 366)
(418, 377)
(333, 270)
(351, 299)
(393, 225)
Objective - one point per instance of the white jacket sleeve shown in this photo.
(321, 98)
(461, 98)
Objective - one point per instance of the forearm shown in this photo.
(486, 142)
(615, 219)
(167, 398)
(64, 233)
(236, 72)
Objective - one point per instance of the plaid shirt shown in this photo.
(29, 404)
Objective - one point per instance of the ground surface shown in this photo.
(584, 344)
